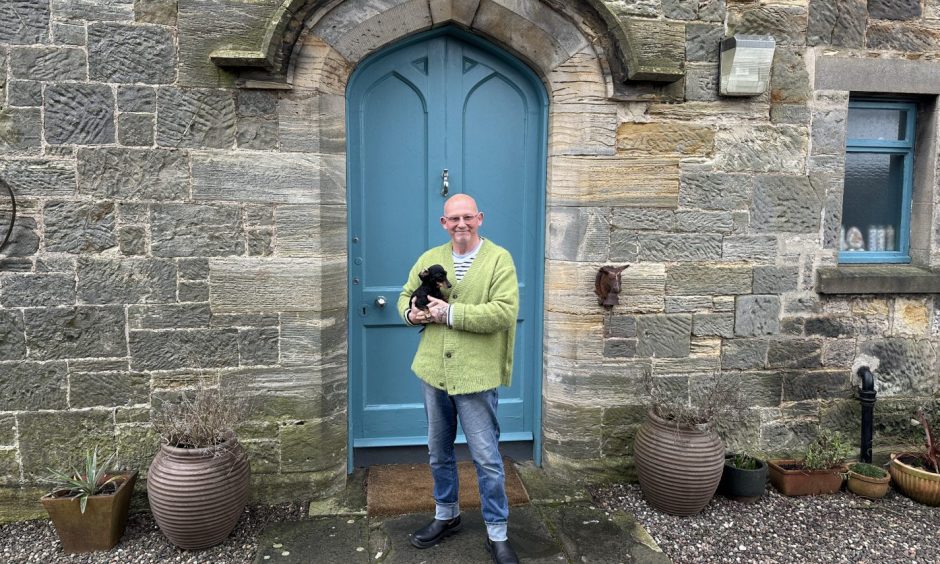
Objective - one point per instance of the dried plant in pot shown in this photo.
(916, 474)
(88, 505)
(744, 477)
(678, 454)
(198, 481)
(820, 471)
(867, 480)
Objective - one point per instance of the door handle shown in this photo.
(445, 183)
(380, 301)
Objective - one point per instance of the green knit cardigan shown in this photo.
(476, 353)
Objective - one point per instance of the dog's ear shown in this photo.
(424, 274)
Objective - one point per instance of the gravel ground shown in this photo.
(777, 529)
(37, 541)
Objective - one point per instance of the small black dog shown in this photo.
(433, 279)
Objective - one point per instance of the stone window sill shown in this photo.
(877, 279)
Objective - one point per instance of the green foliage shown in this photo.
(869, 470)
(827, 451)
(81, 482)
(745, 461)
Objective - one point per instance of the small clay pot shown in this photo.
(793, 481)
(918, 484)
(866, 486)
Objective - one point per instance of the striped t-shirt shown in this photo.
(462, 262)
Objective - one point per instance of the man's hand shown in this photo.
(418, 316)
(438, 310)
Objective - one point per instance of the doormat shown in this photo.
(396, 489)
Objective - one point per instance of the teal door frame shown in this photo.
(535, 291)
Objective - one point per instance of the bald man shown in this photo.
(464, 355)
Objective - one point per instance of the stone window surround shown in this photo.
(919, 80)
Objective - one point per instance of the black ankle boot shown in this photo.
(501, 552)
(434, 532)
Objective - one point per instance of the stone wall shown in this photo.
(175, 225)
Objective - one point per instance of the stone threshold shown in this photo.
(877, 279)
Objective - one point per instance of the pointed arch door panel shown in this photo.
(436, 103)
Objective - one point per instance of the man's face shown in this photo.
(461, 220)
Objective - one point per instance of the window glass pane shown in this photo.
(868, 123)
(871, 208)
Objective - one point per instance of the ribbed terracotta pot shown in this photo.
(920, 485)
(679, 467)
(197, 494)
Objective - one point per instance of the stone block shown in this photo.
(911, 317)
(744, 354)
(643, 219)
(572, 430)
(695, 280)
(715, 191)
(24, 93)
(313, 445)
(161, 12)
(288, 284)
(794, 353)
(893, 9)
(108, 389)
(48, 63)
(756, 315)
(136, 98)
(245, 320)
(311, 122)
(910, 37)
(311, 231)
(838, 353)
(283, 394)
(702, 42)
(614, 181)
(816, 384)
(75, 332)
(619, 426)
(39, 178)
(659, 139)
(713, 324)
(79, 114)
(263, 456)
(256, 133)
(133, 213)
(184, 230)
(761, 148)
(908, 366)
(620, 326)
(596, 383)
(795, 114)
(20, 131)
(663, 335)
(189, 348)
(79, 227)
(839, 23)
(135, 130)
(93, 10)
(258, 347)
(588, 128)
(288, 178)
(828, 134)
(7, 430)
(620, 348)
(750, 248)
(788, 436)
(701, 82)
(775, 279)
(24, 22)
(785, 22)
(320, 67)
(136, 445)
(789, 79)
(313, 339)
(193, 268)
(663, 247)
(259, 242)
(12, 335)
(757, 389)
(624, 245)
(31, 386)
(695, 221)
(196, 118)
(192, 291)
(132, 239)
(126, 281)
(37, 290)
(68, 34)
(133, 174)
(687, 304)
(58, 439)
(168, 316)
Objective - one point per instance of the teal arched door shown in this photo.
(441, 101)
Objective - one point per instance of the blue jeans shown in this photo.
(477, 414)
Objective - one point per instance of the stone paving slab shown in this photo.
(588, 534)
(321, 540)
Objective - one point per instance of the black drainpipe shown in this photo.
(867, 396)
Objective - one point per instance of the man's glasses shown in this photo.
(457, 218)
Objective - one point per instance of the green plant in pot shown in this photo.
(198, 481)
(744, 477)
(916, 474)
(867, 480)
(88, 504)
(819, 471)
(678, 454)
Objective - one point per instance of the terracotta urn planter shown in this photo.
(679, 467)
(743, 484)
(102, 524)
(790, 478)
(918, 484)
(197, 494)
(866, 486)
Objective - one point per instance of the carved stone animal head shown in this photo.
(607, 285)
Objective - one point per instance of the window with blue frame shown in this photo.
(879, 172)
